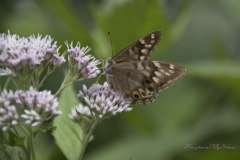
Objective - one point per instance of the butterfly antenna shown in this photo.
(111, 42)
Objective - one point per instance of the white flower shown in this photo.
(37, 106)
(80, 109)
(102, 101)
(8, 114)
(20, 54)
(28, 58)
(42, 103)
(80, 64)
(32, 117)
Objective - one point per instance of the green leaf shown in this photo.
(9, 138)
(67, 134)
(11, 153)
(47, 127)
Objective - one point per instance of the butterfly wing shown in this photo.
(143, 80)
(139, 50)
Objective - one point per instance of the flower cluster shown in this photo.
(8, 114)
(78, 111)
(82, 65)
(102, 102)
(36, 107)
(23, 55)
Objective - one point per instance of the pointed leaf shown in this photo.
(67, 134)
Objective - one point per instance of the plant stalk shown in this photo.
(86, 139)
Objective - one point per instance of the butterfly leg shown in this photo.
(101, 68)
(99, 77)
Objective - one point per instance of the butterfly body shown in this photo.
(133, 74)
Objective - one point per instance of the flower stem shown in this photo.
(43, 79)
(86, 139)
(6, 83)
(28, 156)
(15, 153)
(69, 79)
(15, 83)
(32, 146)
(24, 130)
(16, 132)
(64, 85)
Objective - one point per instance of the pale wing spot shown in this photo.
(156, 79)
(140, 66)
(135, 56)
(142, 58)
(142, 41)
(168, 74)
(147, 67)
(146, 73)
(148, 45)
(152, 36)
(136, 49)
(171, 71)
(158, 73)
(162, 70)
(142, 92)
(144, 51)
(130, 51)
(171, 66)
(157, 64)
(152, 41)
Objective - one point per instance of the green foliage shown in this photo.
(47, 127)
(11, 146)
(201, 109)
(67, 132)
(11, 153)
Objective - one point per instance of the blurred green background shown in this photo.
(202, 35)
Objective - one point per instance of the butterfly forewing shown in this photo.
(139, 50)
(131, 73)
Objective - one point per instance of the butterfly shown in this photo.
(138, 78)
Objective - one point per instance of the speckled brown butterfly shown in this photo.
(133, 74)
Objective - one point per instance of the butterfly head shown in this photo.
(109, 66)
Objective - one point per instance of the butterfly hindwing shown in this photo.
(142, 80)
